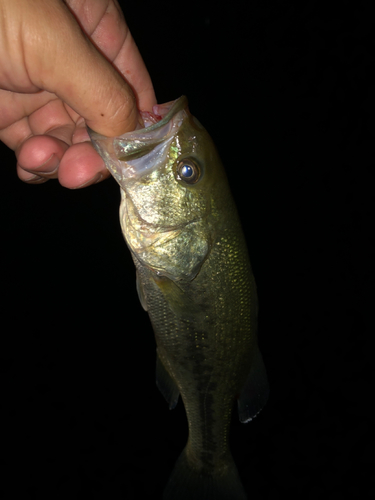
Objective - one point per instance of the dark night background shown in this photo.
(285, 91)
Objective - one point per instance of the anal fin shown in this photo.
(255, 391)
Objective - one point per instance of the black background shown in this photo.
(285, 91)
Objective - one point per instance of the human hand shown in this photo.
(53, 81)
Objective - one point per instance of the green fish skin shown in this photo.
(195, 281)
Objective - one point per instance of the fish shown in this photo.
(194, 278)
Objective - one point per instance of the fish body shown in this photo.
(194, 278)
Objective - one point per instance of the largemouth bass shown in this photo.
(195, 281)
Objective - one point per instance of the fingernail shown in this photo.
(49, 167)
(97, 178)
(34, 179)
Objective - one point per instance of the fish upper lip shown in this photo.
(142, 150)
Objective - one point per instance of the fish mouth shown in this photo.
(174, 246)
(132, 155)
(162, 113)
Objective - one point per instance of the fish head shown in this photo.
(168, 173)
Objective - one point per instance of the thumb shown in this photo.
(61, 59)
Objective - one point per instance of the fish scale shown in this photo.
(194, 278)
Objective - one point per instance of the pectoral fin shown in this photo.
(255, 392)
(166, 384)
(140, 291)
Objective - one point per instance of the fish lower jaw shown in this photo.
(141, 240)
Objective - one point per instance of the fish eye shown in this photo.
(188, 171)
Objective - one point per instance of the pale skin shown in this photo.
(54, 81)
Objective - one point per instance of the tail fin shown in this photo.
(187, 484)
